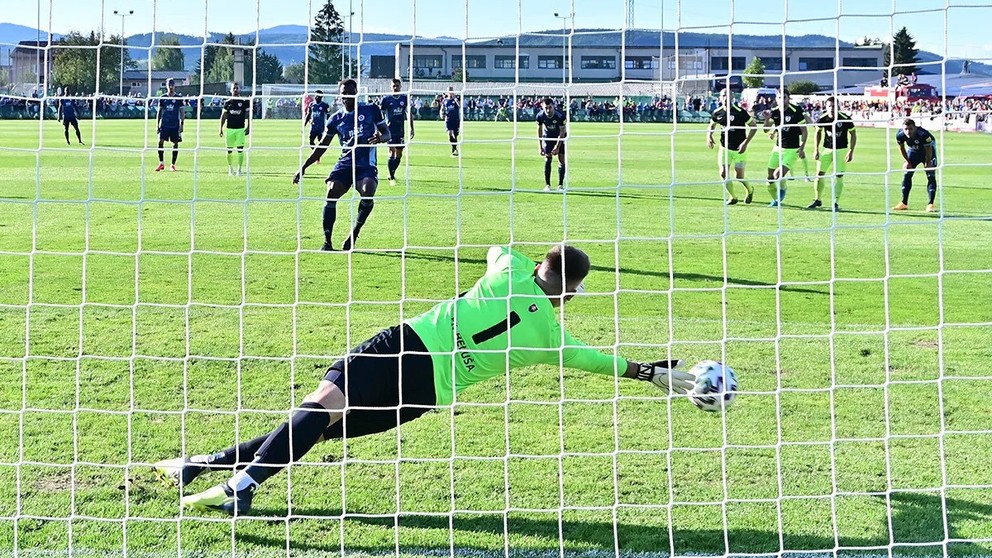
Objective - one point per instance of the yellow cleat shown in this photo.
(931, 208)
(900, 207)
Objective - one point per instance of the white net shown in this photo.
(151, 314)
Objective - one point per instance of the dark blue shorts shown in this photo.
(316, 132)
(549, 146)
(170, 134)
(916, 158)
(391, 375)
(453, 126)
(349, 176)
(70, 122)
(396, 134)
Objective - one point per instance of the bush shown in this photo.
(803, 87)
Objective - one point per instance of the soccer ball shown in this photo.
(716, 386)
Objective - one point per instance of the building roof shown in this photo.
(28, 47)
(649, 38)
(155, 75)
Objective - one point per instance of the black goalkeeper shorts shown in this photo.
(390, 378)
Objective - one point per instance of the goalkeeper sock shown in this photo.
(805, 166)
(561, 175)
(773, 189)
(547, 171)
(330, 215)
(747, 187)
(729, 187)
(241, 158)
(838, 187)
(364, 210)
(821, 185)
(287, 443)
(230, 159)
(226, 459)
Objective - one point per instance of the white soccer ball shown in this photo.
(716, 386)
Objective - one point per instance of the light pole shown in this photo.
(349, 17)
(123, 45)
(564, 39)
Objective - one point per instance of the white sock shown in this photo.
(201, 459)
(241, 481)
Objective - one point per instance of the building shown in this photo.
(142, 82)
(26, 60)
(602, 56)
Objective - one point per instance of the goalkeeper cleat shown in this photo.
(160, 167)
(177, 472)
(930, 208)
(732, 201)
(900, 207)
(815, 205)
(750, 197)
(221, 498)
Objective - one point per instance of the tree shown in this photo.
(803, 87)
(457, 75)
(329, 63)
(222, 66)
(75, 62)
(267, 67)
(294, 73)
(206, 62)
(754, 73)
(167, 57)
(902, 55)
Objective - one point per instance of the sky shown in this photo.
(957, 28)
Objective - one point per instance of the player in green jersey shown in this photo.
(507, 319)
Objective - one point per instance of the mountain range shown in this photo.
(287, 43)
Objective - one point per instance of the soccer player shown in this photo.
(396, 109)
(918, 147)
(359, 128)
(737, 130)
(451, 114)
(551, 131)
(791, 135)
(833, 127)
(237, 116)
(508, 319)
(316, 116)
(169, 124)
(67, 116)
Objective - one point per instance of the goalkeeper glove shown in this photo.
(665, 375)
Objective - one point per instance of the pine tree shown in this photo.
(902, 54)
(754, 73)
(222, 68)
(328, 62)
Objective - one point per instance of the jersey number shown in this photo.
(496, 329)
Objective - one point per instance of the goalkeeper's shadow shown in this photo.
(916, 518)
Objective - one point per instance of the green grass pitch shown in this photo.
(146, 314)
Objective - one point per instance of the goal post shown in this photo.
(148, 314)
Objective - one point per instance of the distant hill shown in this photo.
(287, 42)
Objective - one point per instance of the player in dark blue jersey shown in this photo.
(396, 109)
(67, 116)
(918, 147)
(316, 116)
(359, 128)
(452, 115)
(551, 124)
(169, 124)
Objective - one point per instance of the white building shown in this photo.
(599, 56)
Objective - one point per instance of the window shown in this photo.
(685, 63)
(505, 62)
(821, 63)
(721, 63)
(775, 64)
(549, 62)
(471, 61)
(598, 63)
(427, 61)
(641, 63)
(870, 62)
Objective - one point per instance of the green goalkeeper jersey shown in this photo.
(504, 321)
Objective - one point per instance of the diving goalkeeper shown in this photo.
(508, 318)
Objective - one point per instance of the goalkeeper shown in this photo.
(507, 319)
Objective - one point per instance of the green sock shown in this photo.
(805, 166)
(773, 189)
(230, 159)
(729, 185)
(241, 158)
(838, 188)
(747, 187)
(821, 184)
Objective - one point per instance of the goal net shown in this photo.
(147, 315)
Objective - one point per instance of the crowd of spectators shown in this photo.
(106, 106)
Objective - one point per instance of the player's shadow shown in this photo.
(677, 276)
(577, 192)
(917, 519)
